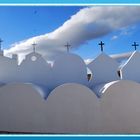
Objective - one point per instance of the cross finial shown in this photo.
(68, 46)
(34, 45)
(135, 45)
(101, 44)
(0, 42)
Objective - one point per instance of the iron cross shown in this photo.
(101, 44)
(0, 43)
(34, 45)
(67, 46)
(135, 45)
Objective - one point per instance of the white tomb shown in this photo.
(104, 69)
(34, 69)
(120, 109)
(131, 70)
(72, 108)
(22, 109)
(69, 68)
(8, 69)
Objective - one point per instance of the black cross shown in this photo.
(68, 46)
(0, 42)
(101, 44)
(34, 44)
(135, 45)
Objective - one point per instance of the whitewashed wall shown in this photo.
(71, 108)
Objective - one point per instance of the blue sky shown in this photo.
(21, 23)
(121, 44)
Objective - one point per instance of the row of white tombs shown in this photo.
(68, 68)
(72, 102)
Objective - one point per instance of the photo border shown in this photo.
(70, 3)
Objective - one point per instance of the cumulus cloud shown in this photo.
(87, 24)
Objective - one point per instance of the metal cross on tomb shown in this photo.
(0, 43)
(135, 45)
(67, 46)
(101, 44)
(34, 45)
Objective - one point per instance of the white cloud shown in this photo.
(87, 61)
(89, 23)
(114, 37)
(127, 31)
